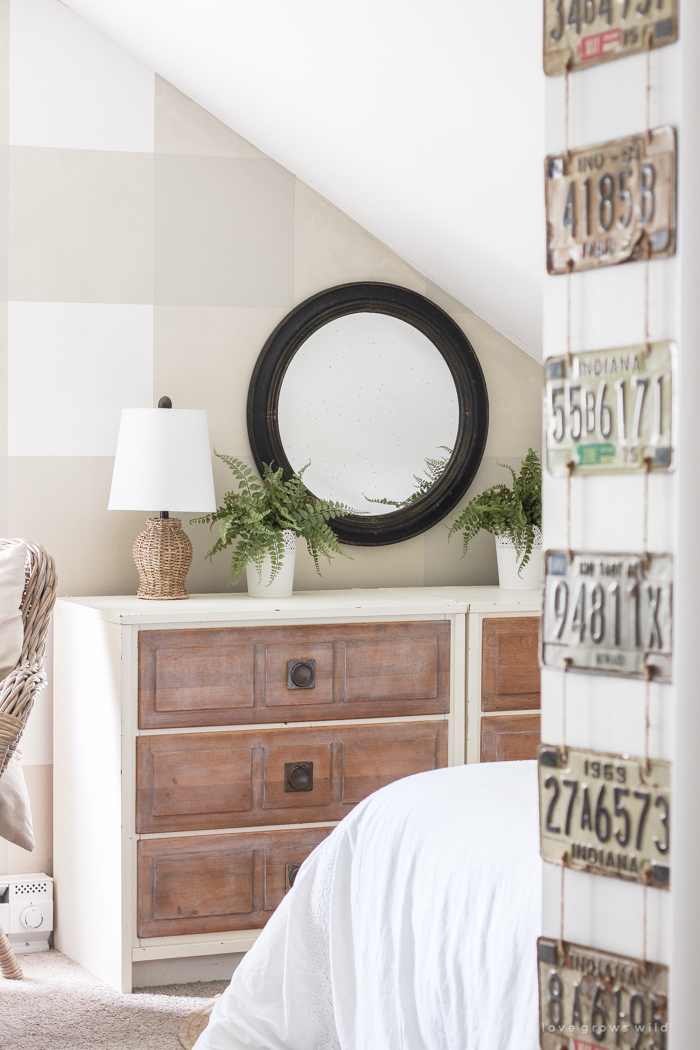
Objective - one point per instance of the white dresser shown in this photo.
(203, 748)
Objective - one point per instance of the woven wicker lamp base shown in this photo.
(163, 555)
(195, 1023)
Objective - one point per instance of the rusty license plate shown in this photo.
(592, 999)
(608, 613)
(612, 203)
(610, 411)
(581, 33)
(607, 814)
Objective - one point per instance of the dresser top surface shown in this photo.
(379, 601)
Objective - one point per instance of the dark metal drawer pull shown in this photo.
(298, 776)
(291, 874)
(301, 674)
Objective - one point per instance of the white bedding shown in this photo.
(412, 927)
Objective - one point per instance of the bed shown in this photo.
(411, 927)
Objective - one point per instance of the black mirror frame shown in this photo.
(372, 530)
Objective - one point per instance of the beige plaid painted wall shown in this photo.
(147, 249)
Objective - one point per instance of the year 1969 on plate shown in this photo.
(612, 203)
(606, 814)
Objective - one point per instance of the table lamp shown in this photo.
(163, 460)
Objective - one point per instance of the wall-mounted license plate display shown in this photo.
(593, 999)
(606, 814)
(612, 203)
(608, 613)
(581, 33)
(610, 411)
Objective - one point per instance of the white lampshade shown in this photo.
(163, 461)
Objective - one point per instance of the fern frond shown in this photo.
(435, 470)
(512, 512)
(252, 519)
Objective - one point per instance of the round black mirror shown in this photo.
(381, 394)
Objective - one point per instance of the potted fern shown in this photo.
(263, 519)
(514, 517)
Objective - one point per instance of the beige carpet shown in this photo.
(60, 1006)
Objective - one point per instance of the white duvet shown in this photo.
(412, 927)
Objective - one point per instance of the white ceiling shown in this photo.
(422, 119)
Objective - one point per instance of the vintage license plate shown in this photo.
(612, 203)
(581, 33)
(610, 411)
(610, 613)
(591, 999)
(608, 814)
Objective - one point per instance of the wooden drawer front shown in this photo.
(510, 670)
(240, 674)
(214, 883)
(198, 781)
(509, 738)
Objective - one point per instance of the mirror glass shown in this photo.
(370, 404)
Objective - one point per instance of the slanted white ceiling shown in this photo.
(422, 119)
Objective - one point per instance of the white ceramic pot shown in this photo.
(508, 564)
(259, 586)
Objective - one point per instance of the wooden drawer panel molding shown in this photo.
(203, 781)
(214, 883)
(509, 738)
(238, 675)
(510, 670)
